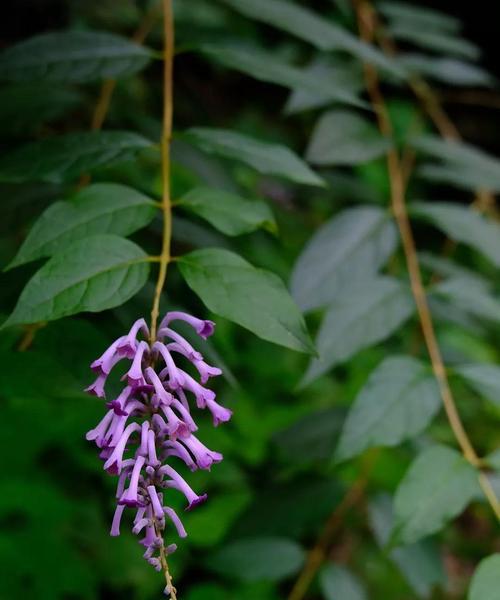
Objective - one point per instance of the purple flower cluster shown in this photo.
(150, 421)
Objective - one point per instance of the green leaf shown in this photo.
(435, 41)
(349, 248)
(228, 212)
(338, 583)
(486, 580)
(72, 56)
(474, 299)
(358, 317)
(484, 378)
(346, 75)
(264, 157)
(477, 167)
(318, 31)
(98, 208)
(439, 484)
(267, 67)
(66, 157)
(446, 70)
(463, 224)
(398, 401)
(255, 299)
(421, 17)
(312, 437)
(420, 563)
(342, 137)
(257, 559)
(93, 274)
(23, 107)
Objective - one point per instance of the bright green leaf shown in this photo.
(398, 401)
(486, 580)
(98, 208)
(264, 157)
(93, 274)
(267, 67)
(72, 56)
(348, 248)
(357, 318)
(463, 224)
(342, 137)
(65, 157)
(338, 583)
(257, 559)
(439, 484)
(253, 298)
(228, 212)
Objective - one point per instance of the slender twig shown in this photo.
(367, 29)
(165, 161)
(168, 109)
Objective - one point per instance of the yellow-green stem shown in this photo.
(166, 204)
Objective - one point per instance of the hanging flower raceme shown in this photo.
(149, 425)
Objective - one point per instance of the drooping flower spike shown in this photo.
(150, 422)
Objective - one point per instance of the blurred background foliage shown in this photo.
(278, 485)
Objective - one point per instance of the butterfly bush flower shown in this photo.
(149, 426)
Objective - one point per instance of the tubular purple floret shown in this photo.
(149, 422)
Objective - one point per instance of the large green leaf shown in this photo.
(472, 298)
(486, 580)
(65, 157)
(312, 437)
(72, 56)
(23, 107)
(420, 563)
(256, 559)
(347, 249)
(228, 212)
(436, 41)
(439, 484)
(484, 378)
(267, 67)
(398, 401)
(318, 31)
(421, 17)
(264, 157)
(462, 224)
(98, 208)
(253, 298)
(357, 318)
(93, 274)
(338, 583)
(447, 70)
(345, 74)
(342, 137)
(474, 165)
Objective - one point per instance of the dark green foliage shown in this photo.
(283, 233)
